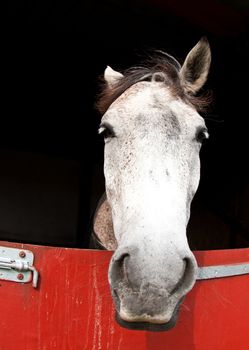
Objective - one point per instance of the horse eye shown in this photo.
(202, 135)
(106, 130)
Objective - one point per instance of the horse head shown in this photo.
(153, 135)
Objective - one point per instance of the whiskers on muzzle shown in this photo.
(144, 297)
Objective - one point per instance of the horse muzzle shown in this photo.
(149, 298)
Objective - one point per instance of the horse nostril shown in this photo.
(119, 268)
(123, 266)
(122, 257)
(187, 279)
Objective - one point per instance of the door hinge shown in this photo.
(17, 265)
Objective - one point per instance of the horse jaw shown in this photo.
(103, 226)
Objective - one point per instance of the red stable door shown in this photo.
(72, 309)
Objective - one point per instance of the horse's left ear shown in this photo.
(194, 71)
(111, 76)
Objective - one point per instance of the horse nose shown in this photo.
(126, 268)
(187, 279)
(146, 293)
(120, 265)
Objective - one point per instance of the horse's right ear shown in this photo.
(194, 71)
(111, 76)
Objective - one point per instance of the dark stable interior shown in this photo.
(50, 152)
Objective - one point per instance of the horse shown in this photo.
(153, 131)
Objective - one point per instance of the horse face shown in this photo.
(152, 171)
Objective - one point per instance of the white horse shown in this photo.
(153, 134)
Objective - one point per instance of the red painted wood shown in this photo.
(72, 308)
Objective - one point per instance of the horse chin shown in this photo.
(149, 326)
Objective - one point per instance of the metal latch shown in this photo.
(219, 271)
(17, 265)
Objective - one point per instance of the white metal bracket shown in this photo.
(17, 265)
(219, 271)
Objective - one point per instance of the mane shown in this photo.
(158, 67)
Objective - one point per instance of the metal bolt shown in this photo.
(22, 254)
(20, 276)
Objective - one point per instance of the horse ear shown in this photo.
(194, 71)
(111, 76)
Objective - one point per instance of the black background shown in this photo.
(53, 55)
